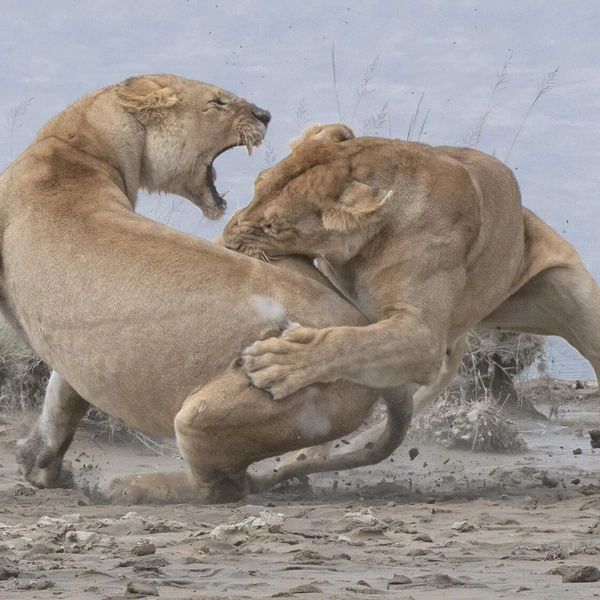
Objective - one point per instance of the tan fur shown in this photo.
(144, 321)
(427, 242)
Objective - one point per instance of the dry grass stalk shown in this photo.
(301, 114)
(545, 85)
(472, 136)
(414, 118)
(459, 423)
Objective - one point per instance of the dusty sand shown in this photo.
(449, 524)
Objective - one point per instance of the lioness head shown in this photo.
(316, 201)
(186, 124)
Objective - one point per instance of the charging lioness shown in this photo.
(428, 242)
(146, 322)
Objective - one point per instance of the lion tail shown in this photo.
(389, 435)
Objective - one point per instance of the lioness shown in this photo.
(428, 242)
(144, 321)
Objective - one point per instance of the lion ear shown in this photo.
(144, 96)
(359, 204)
(336, 132)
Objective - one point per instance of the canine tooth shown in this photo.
(249, 148)
(223, 194)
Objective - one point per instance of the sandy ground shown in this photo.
(449, 524)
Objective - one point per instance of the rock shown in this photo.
(150, 563)
(238, 533)
(82, 539)
(307, 588)
(40, 548)
(8, 569)
(528, 503)
(71, 519)
(581, 575)
(549, 481)
(423, 537)
(413, 453)
(463, 526)
(595, 438)
(577, 451)
(138, 587)
(309, 557)
(363, 518)
(35, 584)
(576, 574)
(445, 581)
(349, 541)
(398, 580)
(124, 526)
(57, 525)
(143, 548)
(165, 526)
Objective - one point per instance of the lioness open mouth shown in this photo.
(211, 172)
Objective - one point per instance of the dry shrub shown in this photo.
(490, 350)
(105, 428)
(477, 425)
(494, 361)
(23, 376)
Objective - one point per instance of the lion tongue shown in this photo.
(213, 174)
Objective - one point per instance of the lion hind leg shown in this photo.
(40, 455)
(562, 301)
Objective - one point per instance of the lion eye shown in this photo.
(268, 226)
(218, 102)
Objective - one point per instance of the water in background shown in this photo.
(564, 362)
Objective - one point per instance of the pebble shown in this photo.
(138, 587)
(549, 482)
(398, 580)
(576, 574)
(143, 548)
(445, 581)
(8, 569)
(463, 526)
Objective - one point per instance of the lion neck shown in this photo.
(96, 126)
(351, 271)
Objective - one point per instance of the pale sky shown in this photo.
(279, 55)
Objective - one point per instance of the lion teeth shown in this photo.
(222, 195)
(249, 148)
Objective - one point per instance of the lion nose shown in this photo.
(264, 116)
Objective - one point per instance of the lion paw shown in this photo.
(283, 365)
(42, 466)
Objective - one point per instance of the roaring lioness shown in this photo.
(146, 322)
(428, 242)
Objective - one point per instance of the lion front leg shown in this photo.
(392, 352)
(40, 455)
